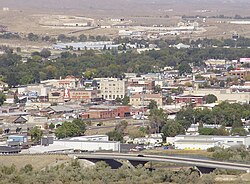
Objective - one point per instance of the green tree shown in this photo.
(157, 119)
(36, 134)
(186, 117)
(26, 79)
(239, 131)
(27, 168)
(71, 129)
(121, 126)
(157, 89)
(169, 100)
(207, 131)
(115, 135)
(51, 126)
(152, 105)
(33, 37)
(81, 125)
(83, 38)
(184, 68)
(172, 128)
(2, 98)
(211, 98)
(45, 53)
(125, 100)
(37, 58)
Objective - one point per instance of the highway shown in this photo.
(171, 159)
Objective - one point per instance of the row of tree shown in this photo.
(225, 114)
(108, 64)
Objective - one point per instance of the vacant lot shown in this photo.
(37, 161)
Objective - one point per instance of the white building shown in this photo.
(82, 143)
(87, 145)
(86, 45)
(112, 88)
(152, 139)
(202, 142)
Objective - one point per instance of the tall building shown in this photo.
(112, 88)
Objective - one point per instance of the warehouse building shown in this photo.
(81, 143)
(203, 142)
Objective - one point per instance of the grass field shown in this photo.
(37, 161)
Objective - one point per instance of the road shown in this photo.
(171, 159)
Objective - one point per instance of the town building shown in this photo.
(106, 112)
(241, 73)
(140, 99)
(112, 88)
(56, 96)
(82, 95)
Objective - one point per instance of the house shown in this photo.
(13, 120)
(59, 109)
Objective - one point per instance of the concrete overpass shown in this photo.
(203, 165)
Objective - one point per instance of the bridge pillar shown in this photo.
(205, 170)
(114, 164)
(136, 163)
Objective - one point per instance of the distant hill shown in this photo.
(130, 6)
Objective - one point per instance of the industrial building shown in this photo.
(82, 143)
(86, 46)
(203, 142)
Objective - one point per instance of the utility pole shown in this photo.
(143, 113)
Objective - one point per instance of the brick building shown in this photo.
(191, 99)
(105, 112)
